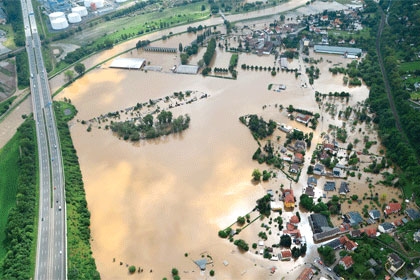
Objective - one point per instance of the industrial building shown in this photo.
(338, 50)
(128, 63)
(187, 69)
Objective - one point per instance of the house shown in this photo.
(294, 168)
(412, 214)
(312, 182)
(416, 236)
(392, 207)
(306, 274)
(346, 262)
(335, 244)
(352, 42)
(289, 198)
(328, 147)
(386, 227)
(298, 158)
(303, 118)
(329, 186)
(318, 222)
(370, 232)
(309, 191)
(348, 244)
(336, 172)
(324, 155)
(395, 263)
(417, 272)
(397, 222)
(319, 169)
(356, 233)
(344, 188)
(300, 145)
(353, 218)
(285, 255)
(372, 263)
(294, 220)
(275, 206)
(374, 214)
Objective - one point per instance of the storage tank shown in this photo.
(80, 10)
(59, 23)
(98, 3)
(56, 15)
(74, 18)
(87, 3)
(120, 1)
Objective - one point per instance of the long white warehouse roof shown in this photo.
(128, 63)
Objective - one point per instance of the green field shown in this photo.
(9, 155)
(410, 66)
(9, 43)
(146, 22)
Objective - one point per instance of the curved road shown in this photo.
(51, 243)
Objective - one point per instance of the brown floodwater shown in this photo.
(156, 200)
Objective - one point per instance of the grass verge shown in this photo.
(80, 262)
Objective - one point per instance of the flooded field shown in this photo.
(159, 204)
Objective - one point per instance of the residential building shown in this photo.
(386, 227)
(319, 169)
(294, 220)
(289, 198)
(416, 236)
(309, 191)
(353, 218)
(370, 232)
(329, 186)
(392, 207)
(412, 214)
(298, 158)
(336, 172)
(344, 188)
(312, 182)
(335, 244)
(303, 118)
(294, 168)
(285, 255)
(395, 263)
(306, 274)
(374, 214)
(346, 262)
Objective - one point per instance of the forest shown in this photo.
(396, 41)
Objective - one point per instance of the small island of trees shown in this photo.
(147, 127)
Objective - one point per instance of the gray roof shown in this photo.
(318, 222)
(355, 218)
(413, 214)
(337, 50)
(335, 244)
(387, 226)
(330, 232)
(187, 69)
(201, 263)
(375, 214)
(329, 186)
(319, 167)
(312, 180)
(344, 187)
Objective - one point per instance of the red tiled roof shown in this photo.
(298, 155)
(370, 231)
(350, 245)
(294, 219)
(392, 208)
(347, 261)
(306, 274)
(286, 254)
(289, 226)
(289, 198)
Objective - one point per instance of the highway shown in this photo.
(51, 257)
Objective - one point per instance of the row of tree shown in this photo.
(20, 234)
(81, 264)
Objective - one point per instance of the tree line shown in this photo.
(20, 234)
(81, 264)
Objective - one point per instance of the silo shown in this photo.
(56, 15)
(59, 23)
(74, 18)
(80, 10)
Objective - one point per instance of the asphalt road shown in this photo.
(51, 258)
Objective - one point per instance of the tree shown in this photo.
(79, 68)
(69, 74)
(212, 273)
(306, 202)
(132, 269)
(285, 241)
(174, 271)
(180, 47)
(256, 174)
(327, 254)
(108, 43)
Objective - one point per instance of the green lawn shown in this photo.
(410, 66)
(9, 155)
(9, 43)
